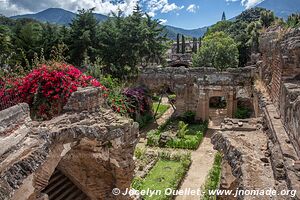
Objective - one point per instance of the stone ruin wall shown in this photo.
(90, 144)
(257, 157)
(194, 86)
(279, 69)
(265, 152)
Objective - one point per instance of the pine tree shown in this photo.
(223, 17)
(50, 38)
(127, 42)
(83, 34)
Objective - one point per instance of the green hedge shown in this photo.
(213, 179)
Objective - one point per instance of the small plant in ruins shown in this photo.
(182, 129)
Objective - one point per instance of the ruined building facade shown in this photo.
(87, 151)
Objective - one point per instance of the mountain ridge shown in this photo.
(63, 17)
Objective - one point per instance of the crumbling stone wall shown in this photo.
(195, 86)
(89, 143)
(257, 157)
(279, 69)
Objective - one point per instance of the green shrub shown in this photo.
(139, 153)
(213, 180)
(188, 117)
(187, 142)
(182, 129)
(242, 113)
(153, 137)
(189, 136)
(294, 21)
(145, 120)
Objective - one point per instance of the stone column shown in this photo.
(203, 106)
(231, 102)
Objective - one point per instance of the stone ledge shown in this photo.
(245, 154)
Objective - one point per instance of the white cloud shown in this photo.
(250, 3)
(14, 7)
(247, 3)
(170, 7)
(163, 21)
(192, 8)
(17, 7)
(163, 6)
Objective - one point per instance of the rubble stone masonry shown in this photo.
(89, 143)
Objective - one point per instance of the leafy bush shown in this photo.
(155, 97)
(188, 117)
(47, 89)
(294, 21)
(138, 98)
(182, 129)
(153, 138)
(139, 152)
(242, 113)
(187, 142)
(144, 120)
(190, 137)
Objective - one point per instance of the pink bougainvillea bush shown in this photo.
(47, 88)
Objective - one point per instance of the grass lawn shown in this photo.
(161, 109)
(165, 174)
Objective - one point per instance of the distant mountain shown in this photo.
(56, 16)
(64, 17)
(173, 31)
(281, 8)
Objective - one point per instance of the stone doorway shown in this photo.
(217, 110)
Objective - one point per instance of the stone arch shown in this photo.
(90, 144)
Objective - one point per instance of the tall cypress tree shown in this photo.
(183, 45)
(223, 17)
(178, 44)
(194, 45)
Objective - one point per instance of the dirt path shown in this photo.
(159, 121)
(202, 161)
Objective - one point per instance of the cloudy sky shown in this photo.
(180, 13)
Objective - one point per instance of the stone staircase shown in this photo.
(61, 187)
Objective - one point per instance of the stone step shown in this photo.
(61, 187)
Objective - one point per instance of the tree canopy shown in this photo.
(218, 50)
(126, 42)
(120, 44)
(245, 30)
